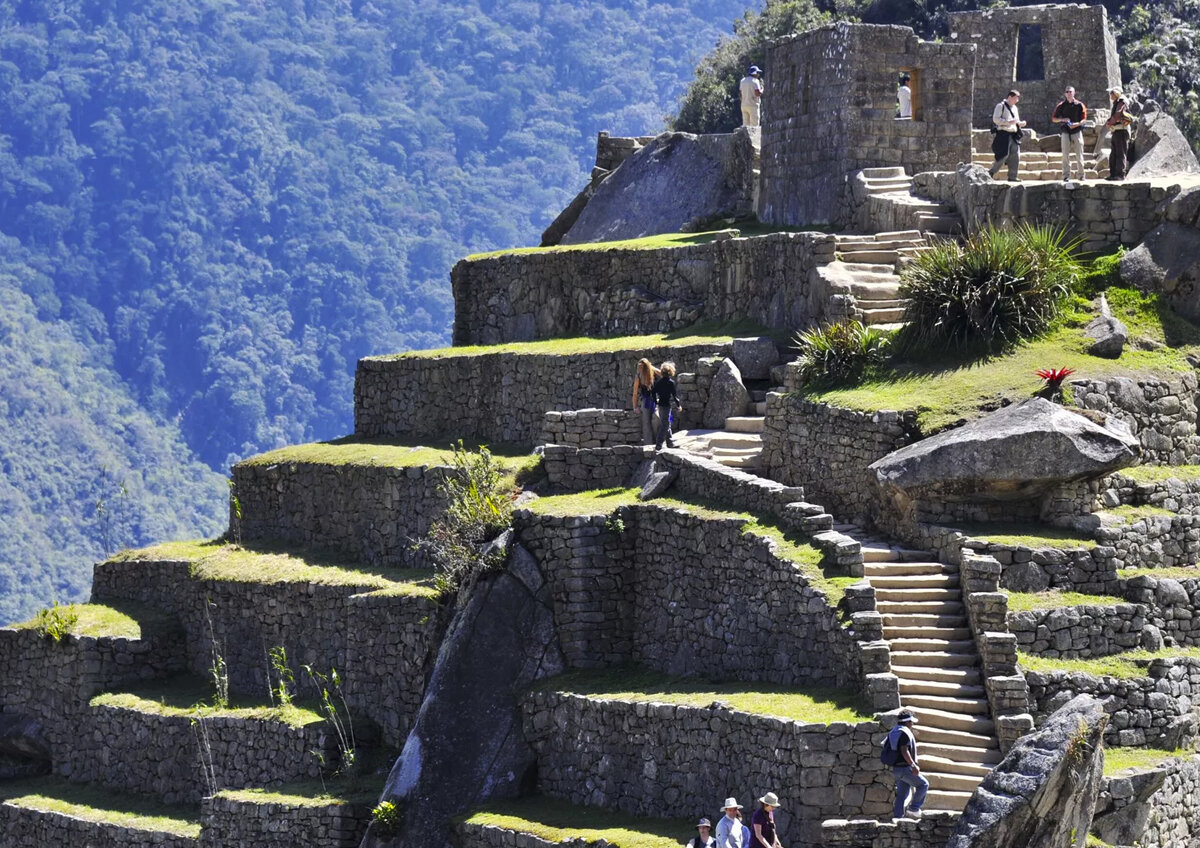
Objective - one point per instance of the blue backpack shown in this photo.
(889, 754)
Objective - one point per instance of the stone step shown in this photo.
(719, 452)
(939, 688)
(894, 568)
(754, 461)
(866, 270)
(945, 224)
(725, 439)
(945, 634)
(942, 659)
(946, 720)
(908, 595)
(900, 235)
(883, 173)
(878, 303)
(958, 676)
(759, 407)
(914, 581)
(869, 257)
(966, 706)
(938, 608)
(944, 763)
(963, 755)
(940, 799)
(874, 317)
(951, 782)
(982, 742)
(745, 424)
(869, 289)
(962, 646)
(876, 188)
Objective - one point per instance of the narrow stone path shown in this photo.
(938, 666)
(892, 187)
(739, 444)
(867, 269)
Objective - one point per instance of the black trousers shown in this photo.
(1118, 159)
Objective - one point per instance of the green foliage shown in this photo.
(1001, 287)
(711, 102)
(337, 713)
(1101, 273)
(55, 622)
(281, 672)
(218, 671)
(840, 353)
(387, 818)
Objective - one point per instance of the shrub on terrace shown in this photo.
(1002, 286)
(840, 353)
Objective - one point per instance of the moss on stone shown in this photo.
(1130, 514)
(92, 804)
(1026, 601)
(188, 696)
(806, 705)
(558, 821)
(1119, 759)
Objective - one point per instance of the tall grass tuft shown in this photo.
(836, 354)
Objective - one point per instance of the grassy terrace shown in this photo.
(791, 546)
(1119, 759)
(558, 821)
(1032, 536)
(1182, 572)
(85, 802)
(587, 344)
(1160, 473)
(188, 696)
(948, 391)
(810, 706)
(1128, 665)
(219, 560)
(123, 620)
(1132, 514)
(359, 789)
(1026, 601)
(387, 454)
(654, 242)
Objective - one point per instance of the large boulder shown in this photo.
(466, 744)
(755, 357)
(1125, 824)
(676, 179)
(1019, 452)
(1043, 793)
(727, 396)
(1160, 149)
(1108, 335)
(1168, 262)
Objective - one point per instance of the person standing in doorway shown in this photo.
(1119, 123)
(907, 769)
(1070, 114)
(904, 98)
(1006, 146)
(751, 90)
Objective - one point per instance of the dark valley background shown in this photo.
(210, 209)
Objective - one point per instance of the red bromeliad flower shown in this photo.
(1054, 376)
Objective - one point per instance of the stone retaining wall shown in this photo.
(161, 755)
(1091, 570)
(929, 832)
(687, 595)
(592, 428)
(379, 642)
(236, 824)
(372, 513)
(522, 297)
(498, 397)
(1154, 541)
(1079, 632)
(1158, 710)
(670, 760)
(1160, 412)
(1174, 494)
(22, 826)
(1173, 817)
(1170, 604)
(576, 470)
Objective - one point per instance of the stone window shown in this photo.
(1030, 64)
(910, 77)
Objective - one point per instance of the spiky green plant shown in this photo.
(841, 353)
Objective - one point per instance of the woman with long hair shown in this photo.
(643, 397)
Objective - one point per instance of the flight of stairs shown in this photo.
(937, 663)
(867, 268)
(1041, 158)
(891, 198)
(739, 444)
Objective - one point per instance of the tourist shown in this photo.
(643, 397)
(666, 396)
(1119, 123)
(731, 833)
(751, 90)
(1006, 146)
(762, 823)
(904, 98)
(703, 840)
(1070, 114)
(907, 771)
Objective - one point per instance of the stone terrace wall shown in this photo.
(497, 397)
(369, 512)
(22, 826)
(524, 297)
(1160, 412)
(670, 760)
(1173, 494)
(1079, 632)
(1154, 541)
(929, 832)
(234, 824)
(593, 428)
(827, 450)
(576, 470)
(1158, 710)
(1169, 605)
(687, 595)
(1091, 570)
(53, 681)
(379, 642)
(1174, 814)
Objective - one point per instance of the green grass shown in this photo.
(1132, 514)
(948, 391)
(189, 696)
(1160, 473)
(95, 805)
(557, 821)
(1127, 665)
(1032, 536)
(1181, 572)
(654, 242)
(118, 620)
(793, 547)
(386, 454)
(1026, 601)
(810, 706)
(219, 560)
(1118, 759)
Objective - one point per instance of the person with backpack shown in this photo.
(667, 398)
(900, 752)
(1119, 126)
(703, 839)
(731, 833)
(643, 397)
(1007, 129)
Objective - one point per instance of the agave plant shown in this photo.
(840, 353)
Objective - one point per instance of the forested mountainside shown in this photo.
(209, 209)
(1159, 42)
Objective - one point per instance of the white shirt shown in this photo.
(748, 88)
(729, 833)
(904, 95)
(1001, 116)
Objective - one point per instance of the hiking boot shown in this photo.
(910, 813)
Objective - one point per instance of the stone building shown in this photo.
(1039, 50)
(831, 95)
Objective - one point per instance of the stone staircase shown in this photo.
(1041, 158)
(867, 269)
(739, 444)
(937, 664)
(890, 203)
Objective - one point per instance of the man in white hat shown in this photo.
(1118, 125)
(729, 828)
(751, 90)
(907, 771)
(703, 839)
(762, 823)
